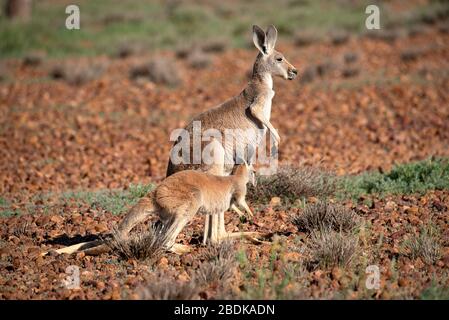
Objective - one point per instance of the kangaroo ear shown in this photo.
(270, 37)
(259, 39)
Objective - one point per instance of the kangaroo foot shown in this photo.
(252, 236)
(180, 249)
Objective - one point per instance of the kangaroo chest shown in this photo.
(216, 203)
(267, 104)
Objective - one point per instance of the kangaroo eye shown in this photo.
(279, 59)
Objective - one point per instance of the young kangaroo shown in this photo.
(182, 195)
(249, 112)
(178, 198)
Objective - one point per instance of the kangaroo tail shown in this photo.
(146, 207)
(138, 213)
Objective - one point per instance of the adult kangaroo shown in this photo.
(247, 115)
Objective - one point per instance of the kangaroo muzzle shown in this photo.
(292, 73)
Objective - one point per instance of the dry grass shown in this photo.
(292, 183)
(161, 287)
(426, 246)
(324, 215)
(327, 249)
(160, 71)
(148, 245)
(219, 265)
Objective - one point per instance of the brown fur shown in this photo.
(179, 197)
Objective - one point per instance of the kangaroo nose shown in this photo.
(292, 74)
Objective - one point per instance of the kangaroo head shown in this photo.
(246, 172)
(269, 60)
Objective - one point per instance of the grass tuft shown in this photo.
(292, 183)
(77, 73)
(163, 288)
(159, 71)
(426, 246)
(219, 266)
(324, 215)
(327, 249)
(147, 245)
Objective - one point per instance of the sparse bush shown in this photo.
(349, 72)
(327, 249)
(292, 183)
(161, 287)
(198, 60)
(339, 37)
(324, 215)
(436, 11)
(415, 30)
(77, 73)
(34, 58)
(160, 71)
(147, 245)
(215, 46)
(127, 49)
(183, 51)
(443, 28)
(427, 246)
(219, 265)
(303, 39)
(308, 75)
(411, 54)
(350, 57)
(324, 68)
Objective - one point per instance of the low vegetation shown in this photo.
(415, 177)
(292, 183)
(144, 245)
(322, 215)
(160, 71)
(327, 249)
(114, 201)
(161, 287)
(166, 25)
(426, 246)
(219, 266)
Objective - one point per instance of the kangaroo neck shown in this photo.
(259, 85)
